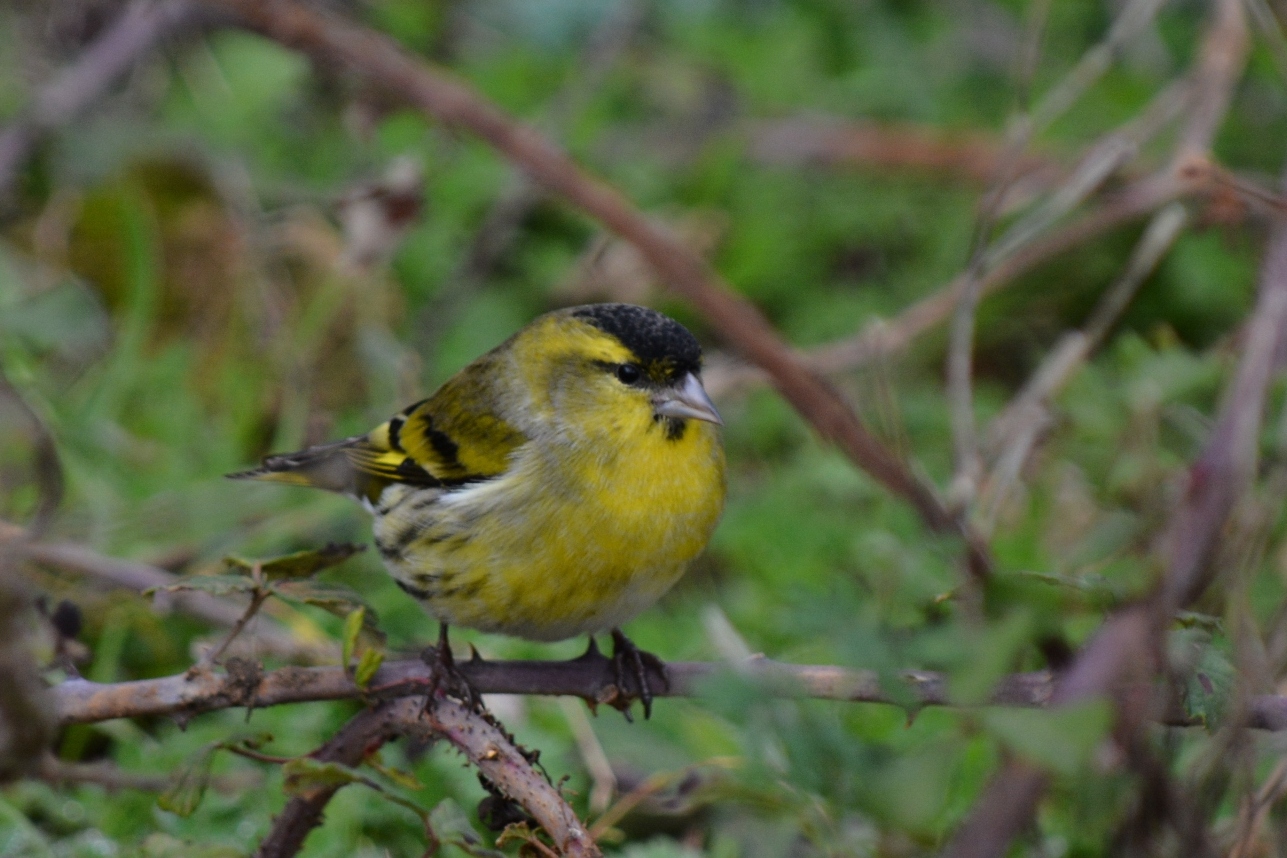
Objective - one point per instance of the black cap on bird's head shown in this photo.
(658, 341)
(667, 361)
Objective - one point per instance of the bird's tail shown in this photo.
(327, 466)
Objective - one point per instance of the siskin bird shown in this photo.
(556, 486)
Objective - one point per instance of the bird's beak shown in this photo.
(687, 399)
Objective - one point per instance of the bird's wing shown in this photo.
(459, 434)
(454, 437)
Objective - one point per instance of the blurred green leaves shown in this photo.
(174, 301)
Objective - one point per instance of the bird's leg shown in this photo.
(444, 675)
(629, 662)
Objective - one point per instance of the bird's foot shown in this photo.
(446, 677)
(631, 667)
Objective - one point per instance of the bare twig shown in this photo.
(1130, 22)
(1094, 169)
(966, 461)
(140, 26)
(442, 96)
(1222, 56)
(1014, 432)
(880, 338)
(257, 599)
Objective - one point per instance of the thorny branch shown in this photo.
(79, 701)
(442, 96)
(505, 766)
(475, 735)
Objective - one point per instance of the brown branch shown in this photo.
(362, 735)
(486, 746)
(136, 31)
(1222, 57)
(79, 701)
(442, 96)
(475, 735)
(829, 141)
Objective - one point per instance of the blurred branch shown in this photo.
(110, 777)
(1129, 643)
(1222, 57)
(1096, 166)
(520, 195)
(451, 101)
(1129, 23)
(136, 31)
(1191, 171)
(834, 142)
(131, 575)
(1014, 432)
(882, 338)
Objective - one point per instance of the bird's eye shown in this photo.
(628, 373)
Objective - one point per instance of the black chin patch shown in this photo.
(654, 339)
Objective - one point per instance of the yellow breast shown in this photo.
(582, 533)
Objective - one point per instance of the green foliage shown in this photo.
(175, 303)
